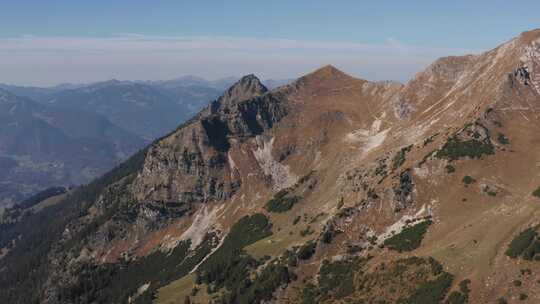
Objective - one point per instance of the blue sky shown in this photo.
(46, 42)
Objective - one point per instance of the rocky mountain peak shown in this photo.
(327, 72)
(325, 78)
(530, 36)
(247, 87)
(328, 69)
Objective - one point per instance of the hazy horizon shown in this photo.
(181, 77)
(41, 61)
(45, 45)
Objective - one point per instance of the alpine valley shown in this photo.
(329, 189)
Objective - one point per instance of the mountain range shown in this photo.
(330, 189)
(71, 133)
(43, 146)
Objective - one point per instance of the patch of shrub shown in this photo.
(430, 139)
(327, 236)
(456, 148)
(409, 238)
(491, 193)
(317, 217)
(402, 191)
(461, 296)
(309, 294)
(115, 283)
(457, 297)
(329, 233)
(503, 139)
(533, 251)
(521, 242)
(337, 278)
(336, 281)
(467, 180)
(536, 192)
(450, 169)
(404, 281)
(228, 266)
(262, 288)
(464, 286)
(306, 177)
(307, 250)
(281, 202)
(248, 230)
(433, 291)
(399, 158)
(380, 170)
(526, 271)
(352, 249)
(289, 258)
(372, 194)
(306, 232)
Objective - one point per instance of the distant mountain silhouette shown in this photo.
(43, 145)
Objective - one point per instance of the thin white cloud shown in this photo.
(136, 42)
(48, 60)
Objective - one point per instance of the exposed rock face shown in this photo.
(246, 88)
(339, 168)
(192, 163)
